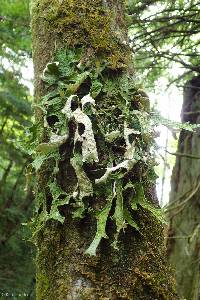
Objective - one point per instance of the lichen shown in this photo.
(126, 164)
(130, 145)
(73, 119)
(84, 184)
(102, 218)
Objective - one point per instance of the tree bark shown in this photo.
(100, 168)
(183, 211)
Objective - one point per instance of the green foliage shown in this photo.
(157, 119)
(15, 203)
(63, 77)
(15, 30)
(164, 34)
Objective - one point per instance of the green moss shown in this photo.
(136, 271)
(43, 287)
(86, 23)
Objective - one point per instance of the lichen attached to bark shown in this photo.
(72, 119)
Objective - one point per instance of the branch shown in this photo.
(183, 155)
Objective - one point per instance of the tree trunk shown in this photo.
(183, 211)
(97, 235)
(5, 175)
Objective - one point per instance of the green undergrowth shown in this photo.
(95, 123)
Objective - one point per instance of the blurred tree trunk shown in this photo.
(135, 267)
(184, 208)
(5, 175)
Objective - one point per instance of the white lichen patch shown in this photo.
(127, 164)
(87, 99)
(58, 140)
(130, 147)
(67, 110)
(89, 148)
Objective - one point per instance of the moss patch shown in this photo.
(88, 23)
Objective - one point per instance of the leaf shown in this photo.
(49, 96)
(96, 88)
(45, 148)
(51, 73)
(157, 119)
(84, 183)
(139, 192)
(55, 215)
(50, 79)
(157, 212)
(79, 212)
(29, 141)
(80, 78)
(56, 192)
(118, 215)
(38, 161)
(129, 219)
(102, 218)
(38, 223)
(141, 200)
(40, 199)
(52, 68)
(55, 141)
(134, 205)
(112, 136)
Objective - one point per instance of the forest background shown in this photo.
(165, 40)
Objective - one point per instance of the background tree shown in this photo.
(94, 168)
(183, 209)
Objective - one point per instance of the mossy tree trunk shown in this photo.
(184, 208)
(97, 225)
